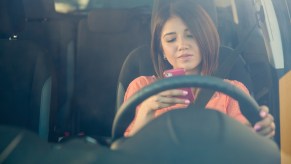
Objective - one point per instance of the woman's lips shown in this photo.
(185, 56)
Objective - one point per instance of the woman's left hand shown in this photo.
(265, 127)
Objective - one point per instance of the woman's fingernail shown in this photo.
(185, 93)
(257, 127)
(187, 102)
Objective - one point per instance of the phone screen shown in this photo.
(180, 72)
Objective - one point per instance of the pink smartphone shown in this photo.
(179, 72)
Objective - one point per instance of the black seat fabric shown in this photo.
(103, 44)
(56, 34)
(25, 86)
(137, 63)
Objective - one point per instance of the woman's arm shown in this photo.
(145, 112)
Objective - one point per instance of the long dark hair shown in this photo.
(200, 25)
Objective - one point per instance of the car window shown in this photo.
(67, 6)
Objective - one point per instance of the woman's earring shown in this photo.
(165, 58)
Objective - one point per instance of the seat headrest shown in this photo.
(208, 6)
(12, 17)
(39, 9)
(108, 20)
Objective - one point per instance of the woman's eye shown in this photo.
(169, 40)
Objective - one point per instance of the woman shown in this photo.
(184, 36)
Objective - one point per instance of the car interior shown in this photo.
(64, 74)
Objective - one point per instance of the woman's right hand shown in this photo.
(164, 99)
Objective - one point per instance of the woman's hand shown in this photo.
(164, 99)
(147, 108)
(265, 127)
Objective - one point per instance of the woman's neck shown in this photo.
(195, 71)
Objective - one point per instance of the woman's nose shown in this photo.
(182, 45)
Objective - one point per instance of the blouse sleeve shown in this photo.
(233, 109)
(133, 87)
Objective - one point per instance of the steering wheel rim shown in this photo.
(249, 107)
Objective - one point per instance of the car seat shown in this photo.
(25, 71)
(138, 62)
(104, 39)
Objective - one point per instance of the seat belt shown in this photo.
(222, 72)
(205, 94)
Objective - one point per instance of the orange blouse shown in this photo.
(219, 101)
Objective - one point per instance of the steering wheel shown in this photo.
(125, 114)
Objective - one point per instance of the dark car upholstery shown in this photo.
(104, 39)
(25, 71)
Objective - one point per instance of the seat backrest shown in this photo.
(56, 34)
(138, 62)
(104, 40)
(25, 86)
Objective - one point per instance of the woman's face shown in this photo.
(180, 47)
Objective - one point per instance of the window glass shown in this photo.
(66, 6)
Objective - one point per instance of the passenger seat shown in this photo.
(25, 85)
